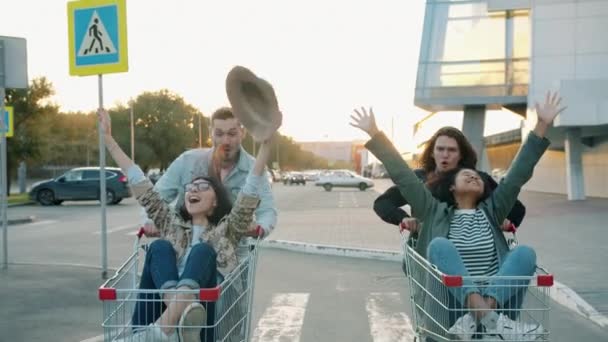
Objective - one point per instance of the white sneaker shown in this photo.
(151, 333)
(464, 328)
(507, 329)
(192, 321)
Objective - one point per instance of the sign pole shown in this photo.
(97, 42)
(3, 175)
(102, 188)
(13, 74)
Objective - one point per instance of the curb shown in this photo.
(560, 293)
(22, 220)
(20, 204)
(567, 297)
(351, 252)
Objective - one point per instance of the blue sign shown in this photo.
(97, 37)
(7, 122)
(96, 33)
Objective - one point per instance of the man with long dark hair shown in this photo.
(448, 149)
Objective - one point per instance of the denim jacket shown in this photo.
(196, 162)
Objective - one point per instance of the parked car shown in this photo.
(343, 179)
(294, 178)
(81, 184)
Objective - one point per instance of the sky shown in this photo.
(323, 58)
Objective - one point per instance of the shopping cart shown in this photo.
(435, 310)
(228, 305)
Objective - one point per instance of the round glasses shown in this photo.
(197, 186)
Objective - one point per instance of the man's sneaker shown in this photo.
(151, 333)
(464, 328)
(193, 319)
(507, 329)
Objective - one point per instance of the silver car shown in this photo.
(343, 179)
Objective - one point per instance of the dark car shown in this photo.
(81, 184)
(294, 178)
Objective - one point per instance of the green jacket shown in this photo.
(436, 216)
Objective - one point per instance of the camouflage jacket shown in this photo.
(224, 237)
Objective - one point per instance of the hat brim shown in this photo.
(253, 103)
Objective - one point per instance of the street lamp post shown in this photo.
(200, 130)
(132, 134)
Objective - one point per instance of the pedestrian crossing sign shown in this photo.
(97, 37)
(7, 121)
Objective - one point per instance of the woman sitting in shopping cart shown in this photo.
(197, 241)
(463, 236)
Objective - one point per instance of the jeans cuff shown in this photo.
(189, 283)
(170, 284)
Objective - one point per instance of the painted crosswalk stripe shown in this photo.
(386, 325)
(283, 319)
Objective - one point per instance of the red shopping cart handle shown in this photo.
(141, 232)
(512, 229)
(259, 231)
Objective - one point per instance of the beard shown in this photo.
(225, 154)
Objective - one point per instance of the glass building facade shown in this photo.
(470, 56)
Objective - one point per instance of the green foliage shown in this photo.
(32, 110)
(164, 125)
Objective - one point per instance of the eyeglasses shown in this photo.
(197, 186)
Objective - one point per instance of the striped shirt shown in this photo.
(471, 233)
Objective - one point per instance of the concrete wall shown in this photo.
(333, 151)
(570, 54)
(595, 169)
(550, 173)
(501, 156)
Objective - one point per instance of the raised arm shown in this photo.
(411, 188)
(517, 213)
(535, 145)
(155, 207)
(240, 218)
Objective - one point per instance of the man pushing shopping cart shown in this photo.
(466, 282)
(178, 297)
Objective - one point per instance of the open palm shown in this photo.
(550, 109)
(365, 121)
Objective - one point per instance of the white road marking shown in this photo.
(94, 339)
(282, 321)
(387, 326)
(34, 224)
(131, 226)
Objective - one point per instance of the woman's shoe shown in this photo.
(464, 328)
(507, 329)
(192, 321)
(151, 333)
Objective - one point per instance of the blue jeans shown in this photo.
(509, 294)
(160, 272)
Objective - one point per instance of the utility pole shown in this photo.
(132, 134)
(200, 130)
(278, 147)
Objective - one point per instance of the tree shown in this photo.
(31, 109)
(166, 124)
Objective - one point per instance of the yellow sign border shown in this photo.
(123, 62)
(11, 120)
